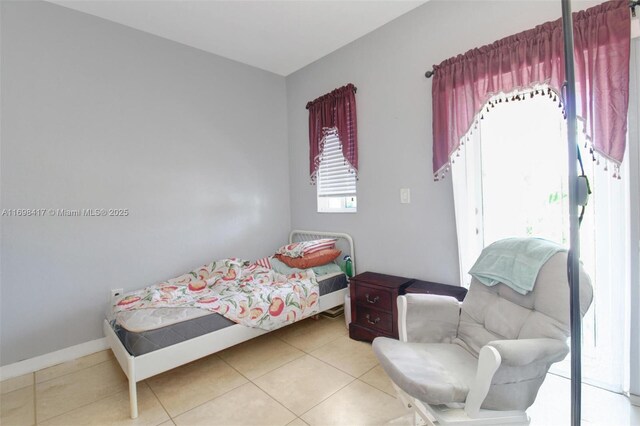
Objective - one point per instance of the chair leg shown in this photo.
(420, 415)
(423, 413)
(404, 398)
(419, 421)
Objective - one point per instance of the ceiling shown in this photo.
(277, 36)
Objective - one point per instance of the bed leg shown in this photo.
(133, 398)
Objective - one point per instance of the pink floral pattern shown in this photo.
(302, 248)
(247, 294)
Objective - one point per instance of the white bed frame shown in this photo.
(138, 368)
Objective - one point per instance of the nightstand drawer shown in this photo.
(374, 297)
(374, 310)
(374, 319)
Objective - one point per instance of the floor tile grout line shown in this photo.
(308, 351)
(337, 368)
(287, 343)
(205, 402)
(328, 324)
(303, 353)
(328, 396)
(393, 396)
(344, 371)
(157, 397)
(264, 390)
(275, 368)
(234, 369)
(368, 370)
(219, 396)
(35, 393)
(216, 397)
(340, 369)
(80, 406)
(21, 387)
(320, 402)
(373, 387)
(273, 398)
(71, 372)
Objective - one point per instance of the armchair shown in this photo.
(481, 361)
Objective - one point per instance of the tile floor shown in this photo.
(309, 373)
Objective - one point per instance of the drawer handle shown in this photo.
(374, 300)
(375, 321)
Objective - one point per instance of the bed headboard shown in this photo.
(344, 241)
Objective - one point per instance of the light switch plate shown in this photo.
(405, 195)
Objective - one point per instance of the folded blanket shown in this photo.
(514, 262)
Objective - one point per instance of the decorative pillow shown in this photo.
(303, 248)
(265, 262)
(281, 268)
(318, 258)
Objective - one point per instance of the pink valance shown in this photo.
(333, 112)
(463, 84)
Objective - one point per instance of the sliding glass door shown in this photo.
(512, 181)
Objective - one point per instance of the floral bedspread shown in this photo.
(247, 294)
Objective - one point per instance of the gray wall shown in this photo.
(394, 130)
(98, 115)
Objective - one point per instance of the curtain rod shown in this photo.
(632, 4)
(355, 90)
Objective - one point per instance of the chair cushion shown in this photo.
(436, 373)
(499, 313)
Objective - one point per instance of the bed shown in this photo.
(189, 336)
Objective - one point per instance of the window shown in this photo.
(511, 180)
(336, 182)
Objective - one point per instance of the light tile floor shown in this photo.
(309, 373)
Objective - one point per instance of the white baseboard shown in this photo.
(32, 365)
(635, 399)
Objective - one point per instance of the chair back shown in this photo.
(500, 313)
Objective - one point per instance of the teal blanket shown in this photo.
(514, 262)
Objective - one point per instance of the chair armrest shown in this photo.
(428, 318)
(512, 353)
(516, 353)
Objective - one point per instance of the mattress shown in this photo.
(147, 330)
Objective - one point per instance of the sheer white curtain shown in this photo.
(510, 180)
(604, 251)
(466, 175)
(634, 175)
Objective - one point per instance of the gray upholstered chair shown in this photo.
(483, 360)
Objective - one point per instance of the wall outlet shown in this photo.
(405, 195)
(116, 292)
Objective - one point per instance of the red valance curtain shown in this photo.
(333, 112)
(463, 84)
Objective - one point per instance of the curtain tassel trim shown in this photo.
(521, 95)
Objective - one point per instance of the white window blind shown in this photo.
(334, 177)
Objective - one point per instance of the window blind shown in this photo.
(335, 179)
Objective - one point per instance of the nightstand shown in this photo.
(374, 311)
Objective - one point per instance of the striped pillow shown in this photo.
(265, 262)
(306, 247)
(315, 246)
